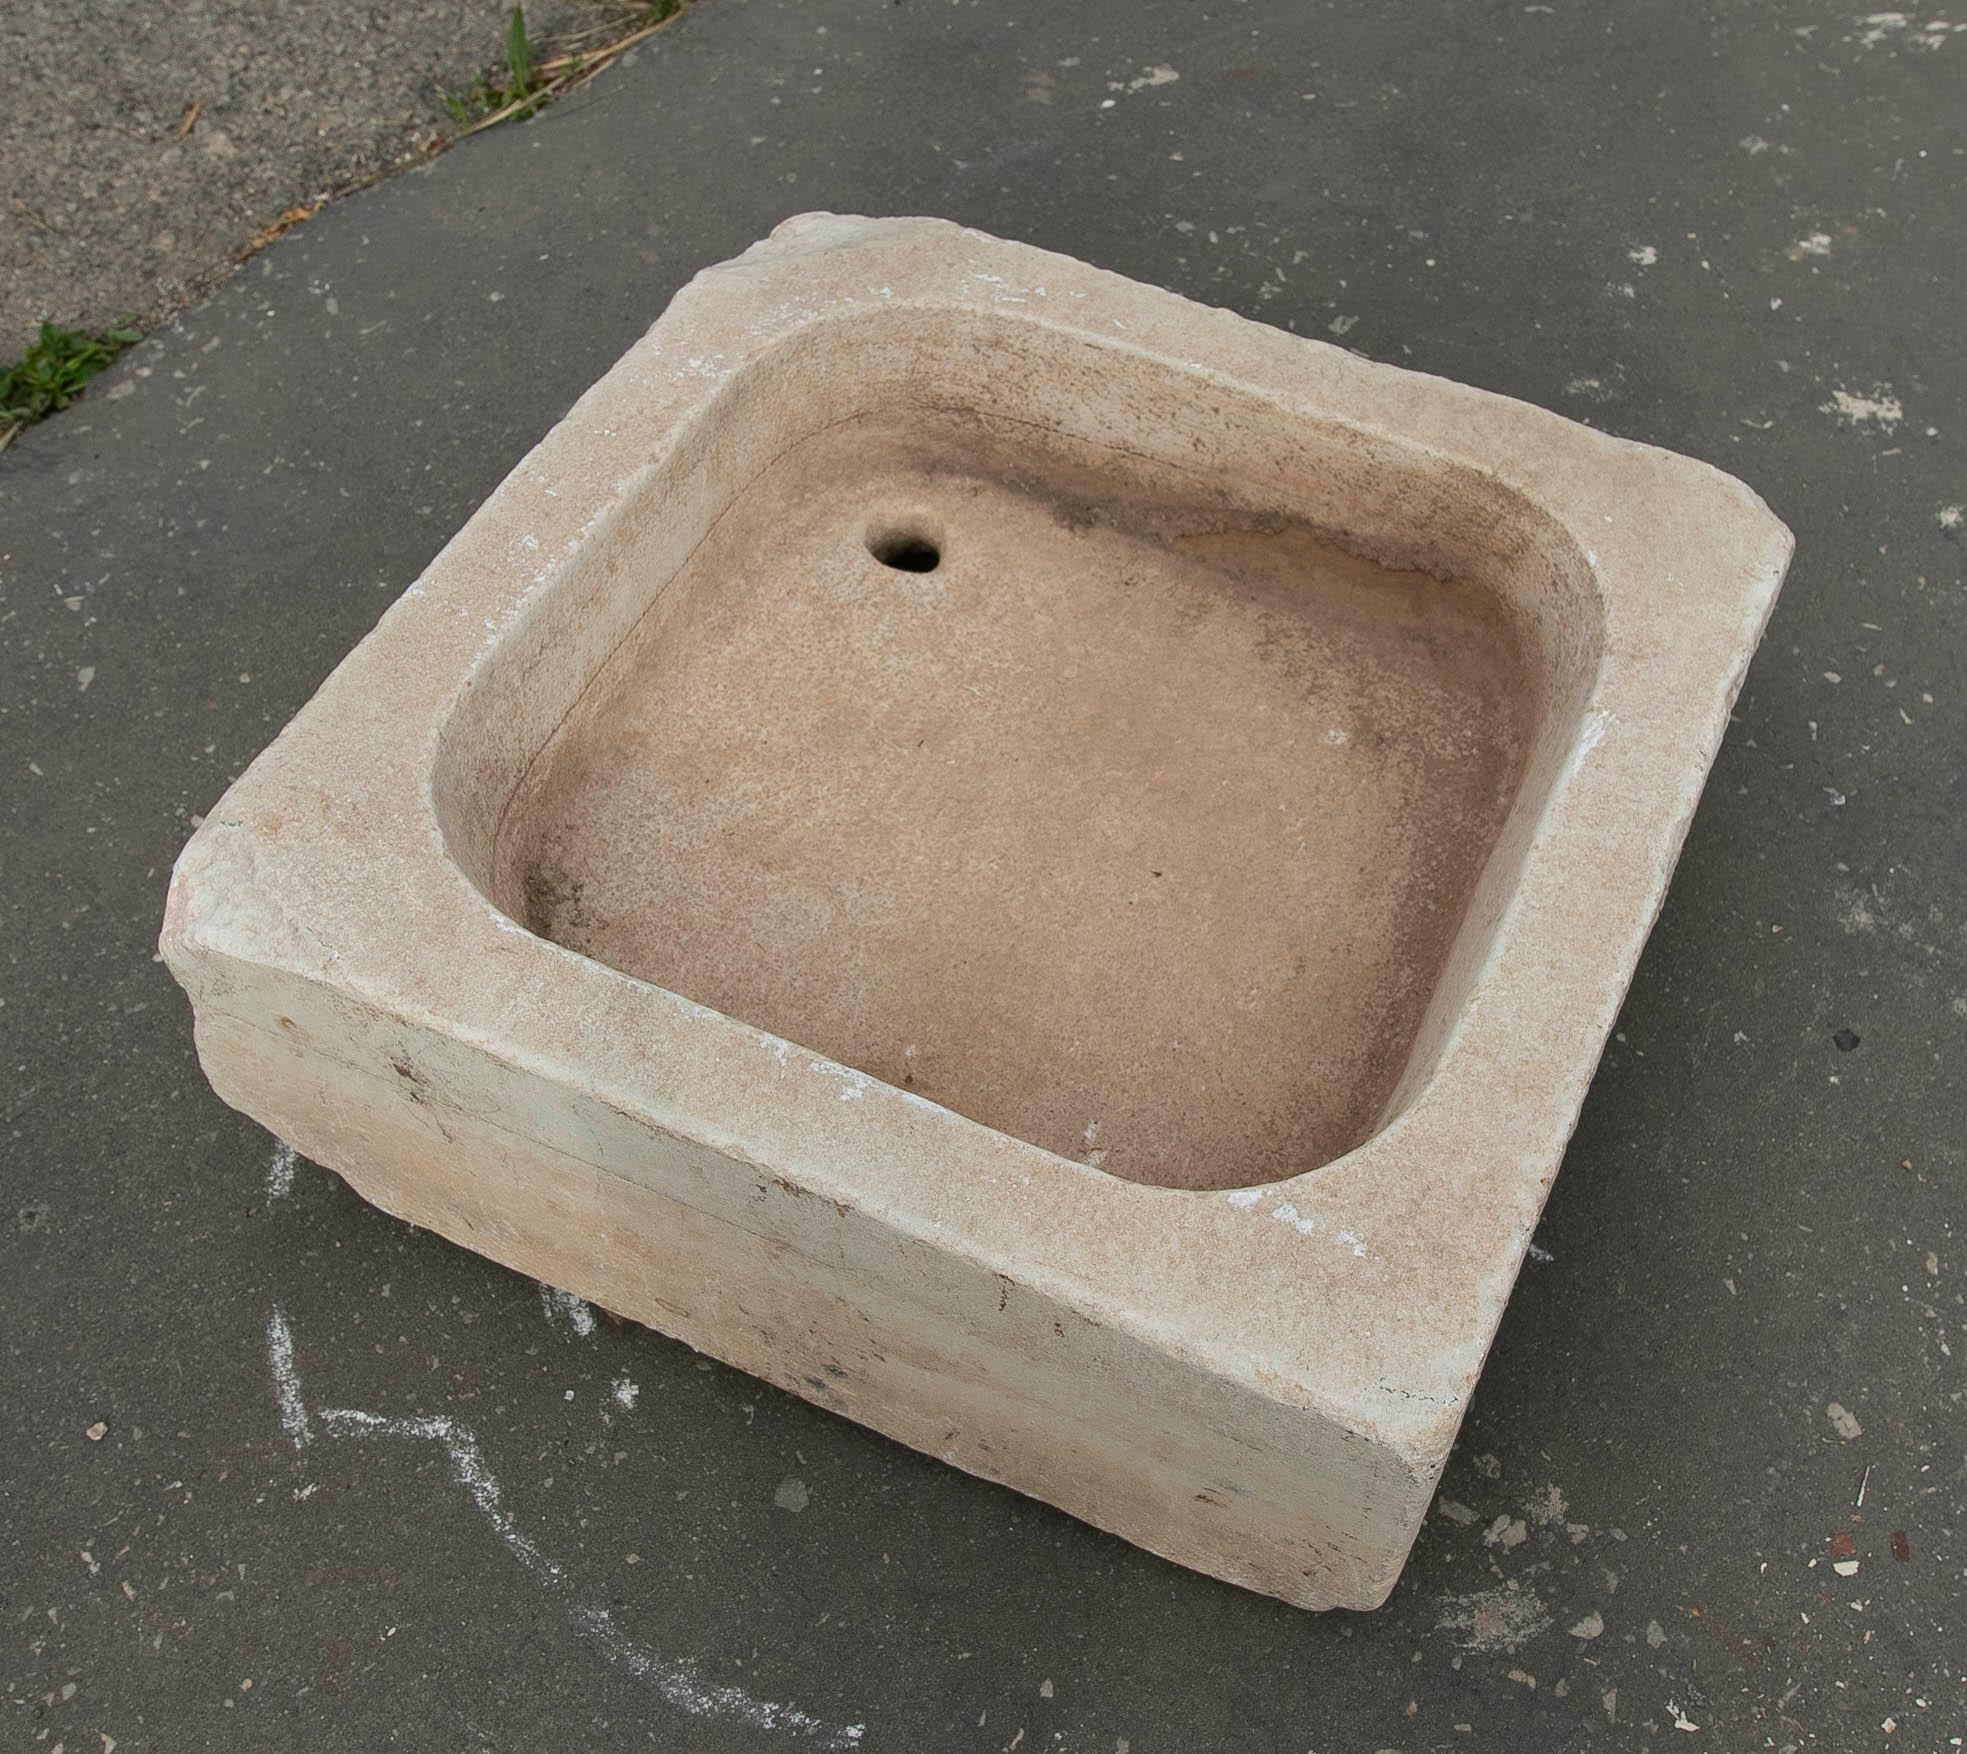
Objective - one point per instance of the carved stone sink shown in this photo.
(1043, 866)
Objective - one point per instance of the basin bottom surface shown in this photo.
(1140, 832)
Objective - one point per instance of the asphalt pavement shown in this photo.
(1712, 1492)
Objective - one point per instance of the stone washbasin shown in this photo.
(1040, 865)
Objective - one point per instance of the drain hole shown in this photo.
(904, 550)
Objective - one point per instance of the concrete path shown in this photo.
(280, 1472)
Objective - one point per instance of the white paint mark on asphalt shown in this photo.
(1881, 407)
(1496, 1622)
(1844, 1422)
(280, 1172)
(564, 1308)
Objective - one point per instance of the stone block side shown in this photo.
(1007, 1380)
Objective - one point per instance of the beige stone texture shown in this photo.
(1040, 865)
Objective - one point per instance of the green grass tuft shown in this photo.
(52, 372)
(534, 74)
(512, 95)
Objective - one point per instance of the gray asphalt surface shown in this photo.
(1737, 232)
(108, 213)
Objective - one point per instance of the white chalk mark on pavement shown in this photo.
(286, 1384)
(676, 1679)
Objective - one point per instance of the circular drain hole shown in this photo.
(904, 550)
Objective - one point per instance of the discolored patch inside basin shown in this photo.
(1137, 828)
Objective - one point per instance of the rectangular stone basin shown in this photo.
(1040, 865)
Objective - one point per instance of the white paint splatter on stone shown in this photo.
(1597, 722)
(1286, 1213)
(853, 1085)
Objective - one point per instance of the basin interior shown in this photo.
(1082, 795)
